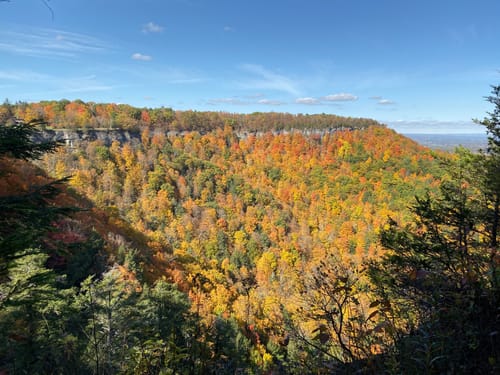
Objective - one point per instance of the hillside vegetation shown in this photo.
(65, 114)
(276, 252)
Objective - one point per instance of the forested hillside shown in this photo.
(65, 114)
(269, 253)
(218, 197)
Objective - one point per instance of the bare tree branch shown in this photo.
(45, 2)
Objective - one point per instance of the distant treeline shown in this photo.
(65, 114)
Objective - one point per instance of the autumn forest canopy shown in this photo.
(222, 243)
(65, 114)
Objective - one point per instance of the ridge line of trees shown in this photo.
(76, 114)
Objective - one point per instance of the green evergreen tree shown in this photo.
(440, 275)
(17, 139)
(35, 329)
(35, 334)
(25, 217)
(489, 177)
(165, 332)
(108, 309)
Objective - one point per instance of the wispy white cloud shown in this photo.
(152, 27)
(228, 29)
(85, 89)
(386, 102)
(141, 57)
(83, 84)
(179, 76)
(232, 101)
(382, 101)
(160, 75)
(174, 75)
(342, 97)
(329, 99)
(265, 79)
(255, 96)
(55, 84)
(53, 43)
(270, 102)
(378, 79)
(185, 81)
(307, 100)
(237, 101)
(22, 76)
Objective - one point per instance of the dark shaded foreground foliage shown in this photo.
(440, 277)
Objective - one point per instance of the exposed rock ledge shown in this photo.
(74, 137)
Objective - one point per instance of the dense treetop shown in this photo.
(78, 114)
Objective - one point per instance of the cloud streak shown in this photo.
(50, 43)
(382, 101)
(232, 101)
(385, 102)
(237, 101)
(328, 99)
(342, 97)
(264, 79)
(308, 101)
(23, 76)
(167, 74)
(152, 27)
(141, 57)
(55, 84)
(82, 84)
(270, 102)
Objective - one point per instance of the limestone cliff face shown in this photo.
(74, 137)
(77, 137)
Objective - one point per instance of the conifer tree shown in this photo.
(24, 216)
(490, 177)
(34, 337)
(440, 273)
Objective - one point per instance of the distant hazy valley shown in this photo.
(449, 142)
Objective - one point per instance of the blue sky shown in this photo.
(420, 66)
